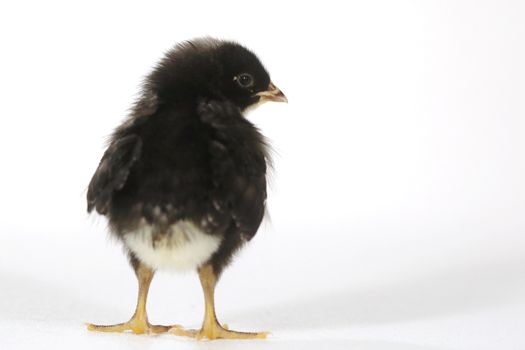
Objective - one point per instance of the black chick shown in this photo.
(183, 180)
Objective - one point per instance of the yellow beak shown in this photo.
(272, 94)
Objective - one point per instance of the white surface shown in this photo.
(398, 197)
(377, 290)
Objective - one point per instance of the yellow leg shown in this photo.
(211, 328)
(138, 323)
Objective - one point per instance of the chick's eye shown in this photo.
(245, 80)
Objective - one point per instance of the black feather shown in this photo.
(112, 172)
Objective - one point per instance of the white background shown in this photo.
(397, 202)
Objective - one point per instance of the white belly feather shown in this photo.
(185, 248)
